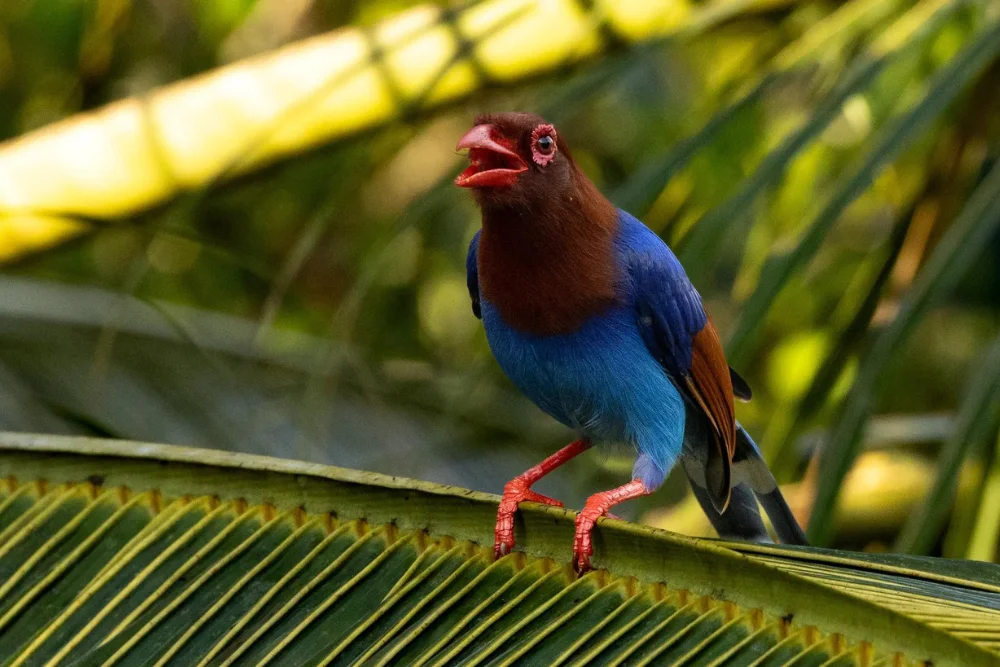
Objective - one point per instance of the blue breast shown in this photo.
(600, 380)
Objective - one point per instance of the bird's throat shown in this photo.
(547, 269)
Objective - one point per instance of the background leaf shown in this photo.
(963, 241)
(977, 423)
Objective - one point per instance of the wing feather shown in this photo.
(708, 382)
(679, 334)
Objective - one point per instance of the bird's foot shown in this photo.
(515, 492)
(583, 546)
(596, 507)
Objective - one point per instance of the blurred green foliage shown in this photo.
(804, 158)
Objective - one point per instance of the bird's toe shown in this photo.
(532, 497)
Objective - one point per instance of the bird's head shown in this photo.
(515, 159)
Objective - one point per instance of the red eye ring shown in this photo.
(542, 155)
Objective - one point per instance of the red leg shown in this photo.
(518, 490)
(596, 507)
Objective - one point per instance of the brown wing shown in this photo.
(711, 387)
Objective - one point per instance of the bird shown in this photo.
(591, 315)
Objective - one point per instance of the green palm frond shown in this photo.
(119, 553)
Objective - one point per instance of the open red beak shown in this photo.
(491, 163)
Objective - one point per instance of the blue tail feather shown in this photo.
(749, 468)
(740, 521)
(752, 482)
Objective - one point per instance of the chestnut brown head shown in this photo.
(515, 160)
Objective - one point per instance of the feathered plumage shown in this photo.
(592, 316)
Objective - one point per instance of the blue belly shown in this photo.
(600, 381)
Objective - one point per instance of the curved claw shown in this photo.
(516, 491)
(501, 549)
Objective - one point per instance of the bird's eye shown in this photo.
(543, 144)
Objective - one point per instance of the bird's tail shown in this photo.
(752, 482)
(759, 478)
